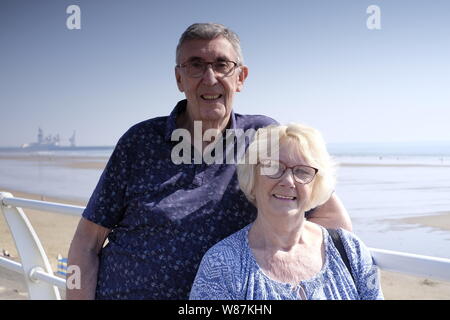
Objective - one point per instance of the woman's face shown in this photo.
(283, 197)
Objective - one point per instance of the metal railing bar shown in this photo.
(49, 278)
(11, 265)
(407, 263)
(37, 275)
(414, 264)
(44, 206)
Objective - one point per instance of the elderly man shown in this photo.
(161, 217)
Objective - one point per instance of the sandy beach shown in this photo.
(56, 232)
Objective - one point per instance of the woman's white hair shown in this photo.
(307, 142)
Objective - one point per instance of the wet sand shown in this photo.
(82, 162)
(440, 220)
(75, 162)
(56, 232)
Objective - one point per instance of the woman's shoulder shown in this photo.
(223, 267)
(363, 265)
(357, 251)
(351, 240)
(229, 248)
(220, 275)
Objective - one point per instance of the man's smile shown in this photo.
(210, 97)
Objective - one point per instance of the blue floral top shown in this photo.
(229, 271)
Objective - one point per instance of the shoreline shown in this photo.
(396, 165)
(99, 162)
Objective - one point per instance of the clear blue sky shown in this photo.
(313, 62)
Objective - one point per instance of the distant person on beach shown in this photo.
(281, 255)
(160, 217)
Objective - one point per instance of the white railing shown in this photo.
(38, 274)
(42, 284)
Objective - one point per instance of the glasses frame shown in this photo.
(292, 170)
(229, 74)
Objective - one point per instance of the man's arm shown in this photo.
(84, 249)
(332, 214)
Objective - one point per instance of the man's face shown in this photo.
(210, 97)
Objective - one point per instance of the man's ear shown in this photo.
(243, 74)
(178, 78)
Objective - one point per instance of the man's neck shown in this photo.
(185, 121)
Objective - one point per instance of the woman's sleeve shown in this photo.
(214, 279)
(365, 271)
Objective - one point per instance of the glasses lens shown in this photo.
(272, 169)
(196, 68)
(223, 67)
(304, 174)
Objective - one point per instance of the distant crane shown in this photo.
(72, 139)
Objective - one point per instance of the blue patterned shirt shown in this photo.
(229, 271)
(163, 216)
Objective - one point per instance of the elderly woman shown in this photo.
(281, 255)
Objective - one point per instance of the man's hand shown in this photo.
(332, 214)
(84, 249)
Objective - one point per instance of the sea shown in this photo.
(379, 183)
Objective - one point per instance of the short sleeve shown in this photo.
(214, 277)
(364, 269)
(106, 205)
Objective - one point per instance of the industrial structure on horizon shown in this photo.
(48, 142)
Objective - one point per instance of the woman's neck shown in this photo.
(275, 233)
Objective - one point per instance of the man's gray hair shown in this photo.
(210, 31)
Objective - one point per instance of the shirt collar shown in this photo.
(171, 123)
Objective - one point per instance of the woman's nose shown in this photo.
(287, 178)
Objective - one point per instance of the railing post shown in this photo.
(31, 252)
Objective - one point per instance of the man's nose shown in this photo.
(209, 76)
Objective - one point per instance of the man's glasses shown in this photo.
(275, 169)
(196, 68)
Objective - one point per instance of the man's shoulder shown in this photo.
(254, 121)
(150, 128)
(153, 124)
